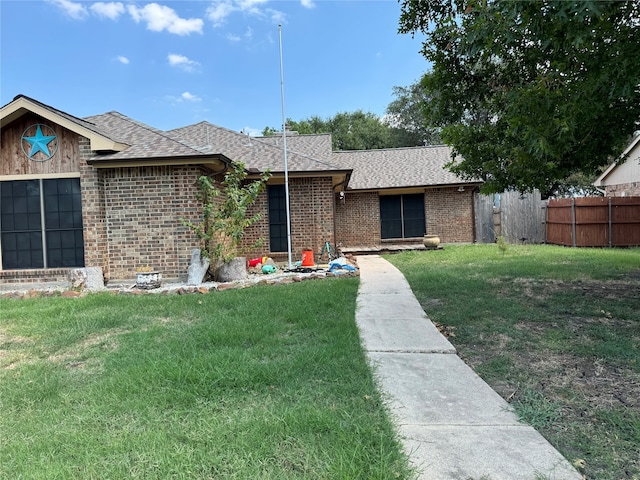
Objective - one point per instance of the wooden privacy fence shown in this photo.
(594, 222)
(518, 217)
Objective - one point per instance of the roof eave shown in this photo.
(416, 187)
(217, 163)
(599, 181)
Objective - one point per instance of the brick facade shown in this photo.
(358, 220)
(144, 208)
(623, 190)
(449, 214)
(132, 216)
(311, 205)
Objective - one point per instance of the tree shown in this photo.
(224, 213)
(357, 130)
(530, 92)
(406, 116)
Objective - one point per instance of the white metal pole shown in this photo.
(284, 147)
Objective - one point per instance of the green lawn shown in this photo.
(268, 382)
(556, 331)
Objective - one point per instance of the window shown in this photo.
(277, 218)
(402, 216)
(41, 224)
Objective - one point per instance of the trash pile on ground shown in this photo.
(260, 271)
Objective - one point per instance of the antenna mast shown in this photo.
(284, 148)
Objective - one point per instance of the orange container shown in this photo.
(307, 258)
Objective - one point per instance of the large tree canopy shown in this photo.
(406, 116)
(530, 92)
(354, 131)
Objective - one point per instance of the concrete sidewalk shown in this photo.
(451, 423)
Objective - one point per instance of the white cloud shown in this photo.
(122, 59)
(307, 3)
(160, 17)
(180, 61)
(277, 17)
(190, 97)
(233, 38)
(111, 10)
(220, 10)
(75, 10)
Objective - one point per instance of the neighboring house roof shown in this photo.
(399, 167)
(625, 171)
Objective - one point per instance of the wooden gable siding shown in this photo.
(15, 162)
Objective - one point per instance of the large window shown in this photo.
(402, 216)
(41, 224)
(277, 218)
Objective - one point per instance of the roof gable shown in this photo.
(623, 171)
(21, 105)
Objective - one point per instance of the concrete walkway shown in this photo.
(452, 424)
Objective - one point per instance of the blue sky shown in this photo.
(171, 64)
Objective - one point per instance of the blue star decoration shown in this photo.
(39, 143)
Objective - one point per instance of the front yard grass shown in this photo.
(555, 331)
(263, 383)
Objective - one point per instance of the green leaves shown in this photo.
(224, 212)
(529, 93)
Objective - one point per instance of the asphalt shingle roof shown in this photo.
(315, 145)
(398, 167)
(253, 152)
(372, 169)
(144, 141)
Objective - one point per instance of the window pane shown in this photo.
(34, 221)
(277, 218)
(51, 220)
(21, 250)
(66, 220)
(65, 203)
(21, 224)
(413, 213)
(53, 240)
(390, 217)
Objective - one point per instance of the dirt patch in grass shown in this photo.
(587, 365)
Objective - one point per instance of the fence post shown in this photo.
(610, 225)
(546, 220)
(573, 221)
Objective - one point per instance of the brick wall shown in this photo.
(449, 214)
(358, 220)
(623, 190)
(93, 213)
(311, 205)
(144, 207)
